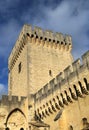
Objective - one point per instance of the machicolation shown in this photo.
(56, 40)
(47, 89)
(62, 90)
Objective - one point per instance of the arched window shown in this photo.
(84, 121)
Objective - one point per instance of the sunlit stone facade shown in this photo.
(47, 89)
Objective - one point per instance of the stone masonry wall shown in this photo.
(45, 62)
(41, 55)
(18, 72)
(69, 93)
(11, 109)
(42, 58)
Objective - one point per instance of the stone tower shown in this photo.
(47, 89)
(37, 57)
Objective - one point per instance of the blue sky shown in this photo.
(66, 16)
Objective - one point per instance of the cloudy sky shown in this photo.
(66, 16)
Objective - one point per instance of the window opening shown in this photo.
(50, 72)
(19, 67)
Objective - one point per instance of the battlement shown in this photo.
(65, 77)
(11, 100)
(46, 34)
(67, 87)
(49, 38)
(39, 36)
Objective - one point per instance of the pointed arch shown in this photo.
(14, 110)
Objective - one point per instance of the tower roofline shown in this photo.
(46, 37)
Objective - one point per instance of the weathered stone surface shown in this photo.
(44, 81)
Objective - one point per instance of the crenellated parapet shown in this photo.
(48, 38)
(40, 37)
(11, 101)
(20, 43)
(64, 89)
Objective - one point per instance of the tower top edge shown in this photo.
(29, 30)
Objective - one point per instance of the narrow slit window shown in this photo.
(19, 67)
(50, 72)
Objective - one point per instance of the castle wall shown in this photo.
(45, 62)
(42, 55)
(42, 58)
(46, 55)
(68, 92)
